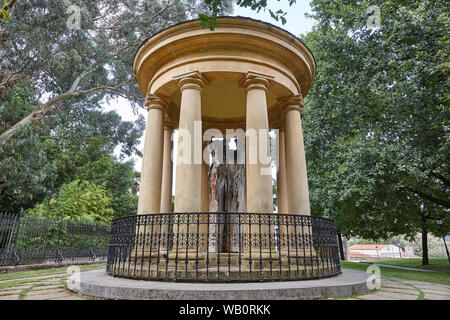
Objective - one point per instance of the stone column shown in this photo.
(205, 181)
(188, 186)
(296, 176)
(282, 188)
(296, 182)
(152, 160)
(188, 181)
(281, 174)
(258, 174)
(151, 177)
(205, 199)
(166, 188)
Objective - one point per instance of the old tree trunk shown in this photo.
(226, 187)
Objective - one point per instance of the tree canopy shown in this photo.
(377, 117)
(61, 63)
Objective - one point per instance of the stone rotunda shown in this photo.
(239, 81)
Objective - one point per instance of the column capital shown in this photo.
(169, 124)
(191, 80)
(254, 80)
(153, 101)
(278, 124)
(294, 102)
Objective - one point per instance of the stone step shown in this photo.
(212, 261)
(226, 273)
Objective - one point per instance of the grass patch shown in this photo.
(433, 277)
(43, 272)
(436, 264)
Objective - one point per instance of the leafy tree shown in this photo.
(78, 200)
(26, 172)
(218, 6)
(55, 151)
(377, 118)
(77, 56)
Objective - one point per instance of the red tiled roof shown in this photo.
(368, 247)
(359, 254)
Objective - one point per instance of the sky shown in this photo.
(296, 24)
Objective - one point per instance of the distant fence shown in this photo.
(32, 240)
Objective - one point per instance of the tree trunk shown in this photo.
(424, 245)
(341, 246)
(227, 195)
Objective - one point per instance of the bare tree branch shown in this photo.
(39, 113)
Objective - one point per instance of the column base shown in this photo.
(189, 255)
(148, 254)
(264, 255)
(308, 253)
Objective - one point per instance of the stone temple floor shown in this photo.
(54, 287)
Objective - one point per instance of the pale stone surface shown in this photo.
(212, 92)
(37, 292)
(56, 286)
(205, 183)
(281, 175)
(259, 179)
(97, 283)
(166, 188)
(55, 295)
(401, 290)
(389, 296)
(70, 297)
(436, 297)
(11, 297)
(152, 162)
(188, 184)
(297, 180)
(11, 292)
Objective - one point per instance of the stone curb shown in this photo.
(98, 284)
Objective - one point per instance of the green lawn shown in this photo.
(436, 264)
(434, 277)
(43, 272)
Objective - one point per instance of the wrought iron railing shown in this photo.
(223, 247)
(32, 240)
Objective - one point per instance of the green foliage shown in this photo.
(78, 200)
(4, 12)
(208, 20)
(26, 173)
(377, 118)
(74, 139)
(39, 160)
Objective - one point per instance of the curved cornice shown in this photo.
(247, 34)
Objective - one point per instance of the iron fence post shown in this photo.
(19, 219)
(93, 257)
(58, 255)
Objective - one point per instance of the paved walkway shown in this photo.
(49, 287)
(400, 289)
(400, 267)
(54, 287)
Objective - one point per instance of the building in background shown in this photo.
(379, 251)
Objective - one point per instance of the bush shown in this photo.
(78, 200)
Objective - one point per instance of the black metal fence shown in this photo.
(223, 247)
(31, 240)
